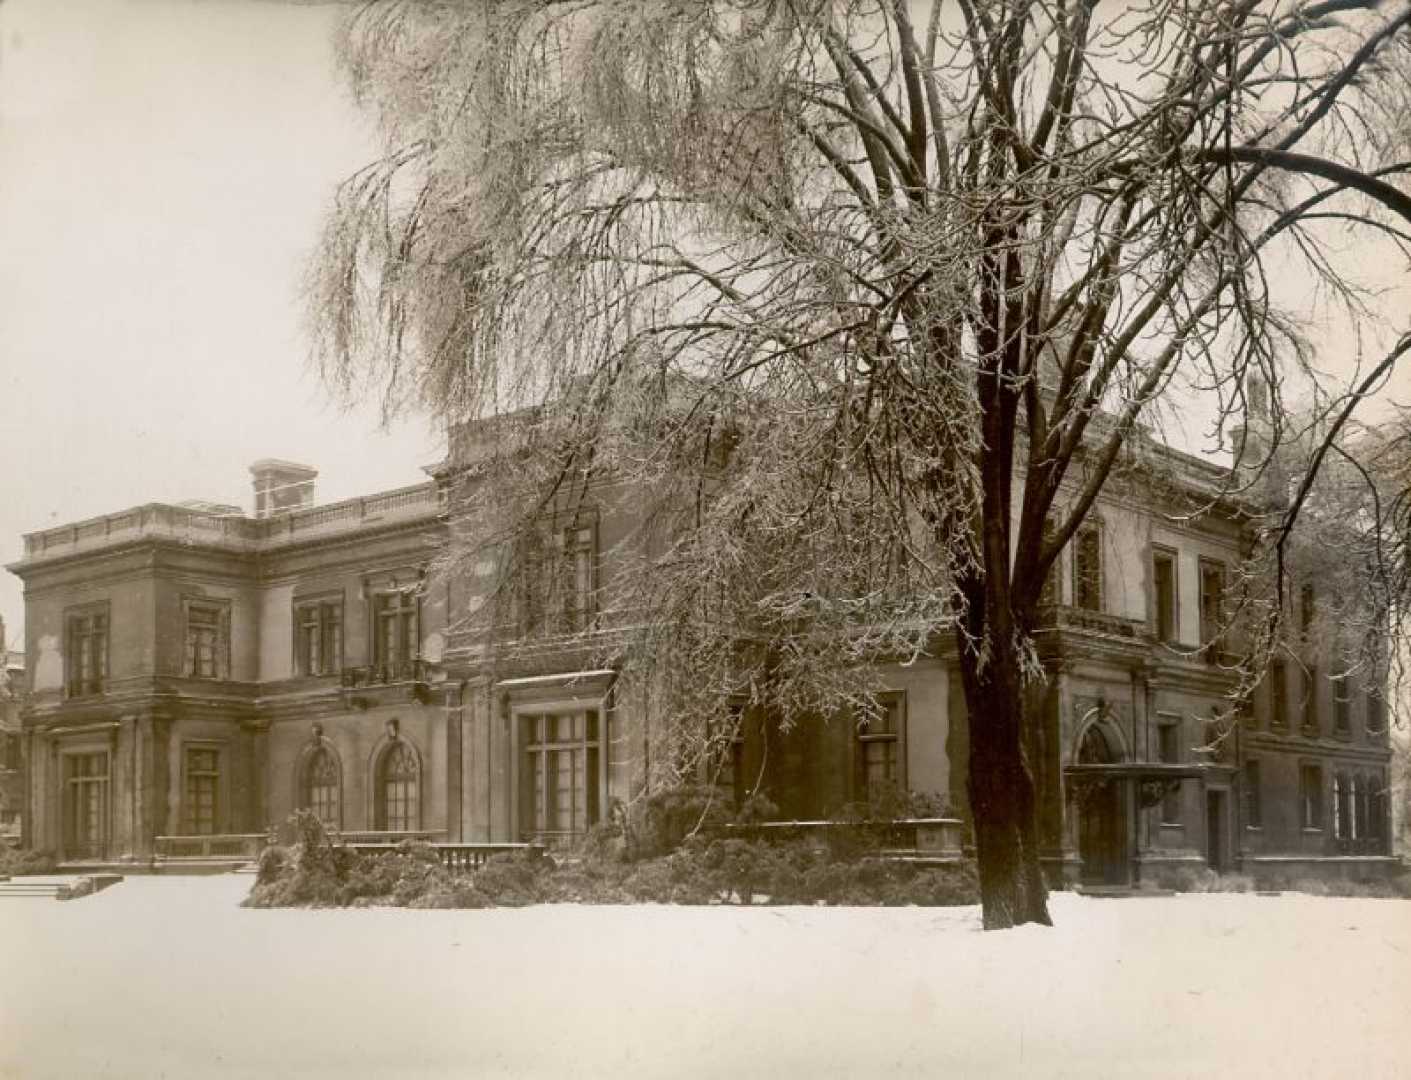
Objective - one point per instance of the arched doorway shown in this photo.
(1102, 840)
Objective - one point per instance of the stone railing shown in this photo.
(420, 500)
(1094, 622)
(383, 838)
(458, 856)
(212, 846)
(163, 522)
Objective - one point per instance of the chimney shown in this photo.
(282, 486)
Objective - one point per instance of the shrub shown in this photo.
(15, 863)
(312, 872)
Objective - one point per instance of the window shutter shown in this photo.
(190, 644)
(223, 644)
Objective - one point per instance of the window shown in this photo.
(86, 654)
(880, 763)
(559, 785)
(725, 751)
(1087, 568)
(1376, 712)
(1253, 795)
(207, 639)
(397, 785)
(1163, 589)
(556, 586)
(202, 790)
(1212, 600)
(1342, 808)
(1307, 610)
(1310, 788)
(86, 805)
(1168, 745)
(318, 637)
(1310, 700)
(320, 786)
(1342, 702)
(576, 579)
(396, 635)
(1278, 693)
(1377, 813)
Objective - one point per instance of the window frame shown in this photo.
(538, 755)
(75, 685)
(190, 821)
(1163, 554)
(321, 604)
(1090, 531)
(219, 607)
(407, 615)
(894, 705)
(1312, 813)
(1211, 623)
(409, 801)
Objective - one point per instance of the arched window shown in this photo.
(319, 786)
(398, 776)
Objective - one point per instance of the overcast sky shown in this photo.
(164, 165)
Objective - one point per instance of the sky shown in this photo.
(164, 169)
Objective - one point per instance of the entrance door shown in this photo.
(86, 816)
(1102, 841)
(1215, 830)
(1100, 835)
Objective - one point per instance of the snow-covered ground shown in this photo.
(167, 976)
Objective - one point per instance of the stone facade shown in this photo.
(195, 673)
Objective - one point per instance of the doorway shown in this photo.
(86, 817)
(1102, 840)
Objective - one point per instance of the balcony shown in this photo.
(387, 683)
(1063, 617)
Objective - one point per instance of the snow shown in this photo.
(167, 976)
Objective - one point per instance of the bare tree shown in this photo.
(857, 288)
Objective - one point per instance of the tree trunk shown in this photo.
(1002, 803)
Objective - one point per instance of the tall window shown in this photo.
(1163, 588)
(202, 790)
(207, 639)
(86, 805)
(398, 779)
(725, 751)
(1310, 789)
(318, 637)
(1310, 700)
(1168, 745)
(559, 784)
(320, 786)
(1212, 600)
(86, 653)
(1087, 568)
(1278, 693)
(1342, 702)
(880, 756)
(1307, 610)
(1376, 712)
(1253, 795)
(395, 635)
(555, 591)
(576, 579)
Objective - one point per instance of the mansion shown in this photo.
(196, 673)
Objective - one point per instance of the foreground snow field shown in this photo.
(167, 976)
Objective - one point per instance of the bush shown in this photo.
(15, 863)
(314, 873)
